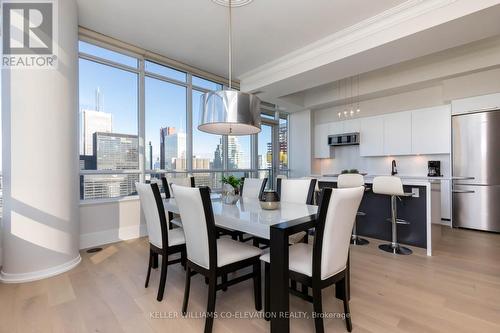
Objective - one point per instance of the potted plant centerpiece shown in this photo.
(230, 189)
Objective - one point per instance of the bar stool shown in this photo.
(390, 185)
(353, 180)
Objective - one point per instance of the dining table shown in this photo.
(274, 225)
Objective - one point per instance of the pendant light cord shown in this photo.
(230, 48)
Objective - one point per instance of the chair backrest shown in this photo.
(388, 185)
(182, 181)
(253, 187)
(154, 213)
(347, 180)
(336, 213)
(296, 190)
(198, 223)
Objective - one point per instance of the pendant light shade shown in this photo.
(229, 112)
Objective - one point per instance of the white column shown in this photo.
(300, 146)
(40, 162)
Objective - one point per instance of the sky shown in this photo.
(165, 102)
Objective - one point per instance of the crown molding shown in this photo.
(372, 32)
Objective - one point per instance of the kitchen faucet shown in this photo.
(394, 170)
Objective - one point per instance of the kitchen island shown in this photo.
(420, 210)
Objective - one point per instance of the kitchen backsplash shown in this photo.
(348, 158)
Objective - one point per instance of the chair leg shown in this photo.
(224, 281)
(183, 259)
(186, 291)
(149, 269)
(163, 277)
(209, 321)
(347, 312)
(267, 301)
(257, 291)
(305, 289)
(155, 260)
(318, 310)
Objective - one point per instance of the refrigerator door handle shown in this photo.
(463, 191)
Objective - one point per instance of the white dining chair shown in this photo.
(297, 191)
(175, 219)
(326, 261)
(162, 241)
(253, 187)
(209, 256)
(347, 180)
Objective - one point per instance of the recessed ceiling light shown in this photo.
(234, 3)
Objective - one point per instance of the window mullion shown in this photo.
(189, 124)
(142, 121)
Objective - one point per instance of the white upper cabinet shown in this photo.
(476, 103)
(431, 130)
(321, 147)
(335, 127)
(397, 133)
(351, 126)
(371, 136)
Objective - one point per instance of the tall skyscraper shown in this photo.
(283, 142)
(94, 121)
(218, 156)
(175, 149)
(234, 154)
(149, 156)
(164, 132)
(269, 155)
(115, 151)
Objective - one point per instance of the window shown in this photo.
(108, 129)
(112, 142)
(238, 152)
(152, 67)
(283, 142)
(206, 84)
(100, 52)
(265, 151)
(166, 136)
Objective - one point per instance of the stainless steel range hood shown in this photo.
(345, 139)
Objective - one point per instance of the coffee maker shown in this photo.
(434, 169)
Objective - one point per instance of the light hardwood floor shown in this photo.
(456, 290)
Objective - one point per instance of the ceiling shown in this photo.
(290, 51)
(195, 31)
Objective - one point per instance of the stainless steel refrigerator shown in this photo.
(476, 170)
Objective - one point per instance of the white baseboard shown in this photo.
(38, 275)
(112, 236)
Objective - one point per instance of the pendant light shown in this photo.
(229, 112)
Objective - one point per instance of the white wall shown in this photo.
(300, 147)
(40, 162)
(108, 222)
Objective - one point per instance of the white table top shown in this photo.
(247, 215)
